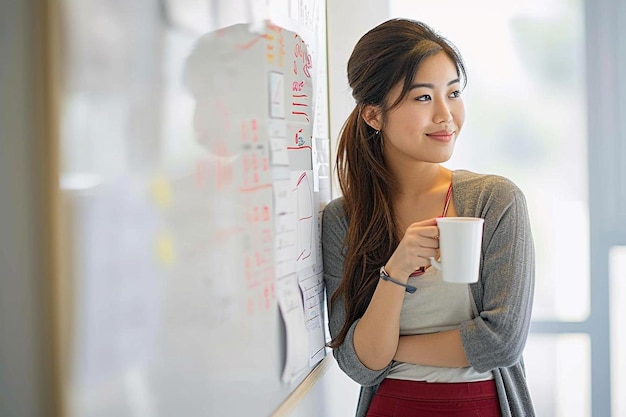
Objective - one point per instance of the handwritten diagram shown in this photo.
(304, 214)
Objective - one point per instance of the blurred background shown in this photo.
(90, 92)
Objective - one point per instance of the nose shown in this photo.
(442, 113)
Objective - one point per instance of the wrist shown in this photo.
(396, 268)
(384, 275)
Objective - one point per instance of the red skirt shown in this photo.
(397, 397)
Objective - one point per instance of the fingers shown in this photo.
(419, 243)
(422, 241)
(426, 253)
(427, 235)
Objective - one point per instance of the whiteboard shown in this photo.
(195, 166)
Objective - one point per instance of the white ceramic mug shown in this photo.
(460, 242)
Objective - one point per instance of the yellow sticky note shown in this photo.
(161, 192)
(165, 250)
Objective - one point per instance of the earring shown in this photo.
(377, 132)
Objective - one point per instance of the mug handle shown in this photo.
(435, 263)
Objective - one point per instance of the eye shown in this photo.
(455, 94)
(424, 97)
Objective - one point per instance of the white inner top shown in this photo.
(435, 306)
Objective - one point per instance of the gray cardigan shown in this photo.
(495, 339)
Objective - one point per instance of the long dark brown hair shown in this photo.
(387, 55)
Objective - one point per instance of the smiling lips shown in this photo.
(442, 135)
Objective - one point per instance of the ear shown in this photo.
(372, 115)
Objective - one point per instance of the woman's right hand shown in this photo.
(419, 243)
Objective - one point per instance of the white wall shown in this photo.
(346, 22)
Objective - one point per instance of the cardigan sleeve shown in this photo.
(334, 227)
(504, 293)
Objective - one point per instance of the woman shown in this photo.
(446, 349)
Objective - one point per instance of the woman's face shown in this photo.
(426, 123)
